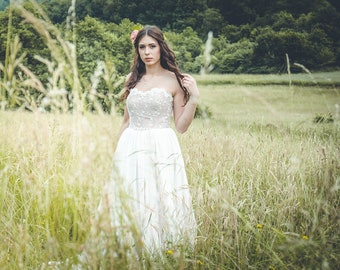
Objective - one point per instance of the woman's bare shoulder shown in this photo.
(172, 81)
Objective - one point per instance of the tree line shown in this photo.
(248, 36)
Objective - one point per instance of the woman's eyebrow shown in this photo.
(151, 43)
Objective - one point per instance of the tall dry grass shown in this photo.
(266, 195)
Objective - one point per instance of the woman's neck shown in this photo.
(154, 70)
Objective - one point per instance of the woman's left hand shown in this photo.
(190, 84)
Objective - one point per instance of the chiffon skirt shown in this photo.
(148, 192)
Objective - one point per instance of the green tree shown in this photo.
(32, 43)
(57, 11)
(212, 21)
(4, 4)
(310, 49)
(99, 41)
(322, 52)
(188, 47)
(234, 33)
(232, 57)
(283, 20)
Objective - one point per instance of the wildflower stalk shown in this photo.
(77, 89)
(4, 94)
(288, 70)
(62, 51)
(207, 66)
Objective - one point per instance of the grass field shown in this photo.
(264, 177)
(326, 79)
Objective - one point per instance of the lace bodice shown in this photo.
(149, 109)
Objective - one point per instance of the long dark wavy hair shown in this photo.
(168, 60)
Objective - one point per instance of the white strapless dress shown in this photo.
(148, 189)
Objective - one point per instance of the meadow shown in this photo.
(264, 172)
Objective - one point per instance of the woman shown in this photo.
(148, 160)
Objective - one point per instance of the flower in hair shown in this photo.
(133, 35)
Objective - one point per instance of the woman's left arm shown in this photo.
(183, 115)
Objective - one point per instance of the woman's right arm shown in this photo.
(126, 117)
(125, 123)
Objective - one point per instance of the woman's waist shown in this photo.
(146, 125)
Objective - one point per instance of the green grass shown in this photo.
(265, 181)
(325, 79)
(271, 103)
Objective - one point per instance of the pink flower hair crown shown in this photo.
(134, 33)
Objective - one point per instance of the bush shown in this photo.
(323, 118)
(203, 111)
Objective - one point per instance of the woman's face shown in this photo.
(149, 50)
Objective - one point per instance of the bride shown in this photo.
(148, 193)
